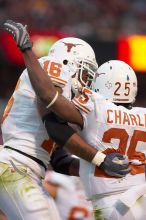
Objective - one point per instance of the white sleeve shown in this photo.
(26, 85)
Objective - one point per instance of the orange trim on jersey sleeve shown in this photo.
(80, 106)
(60, 81)
(7, 109)
(10, 103)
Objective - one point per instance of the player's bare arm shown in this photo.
(41, 82)
(47, 92)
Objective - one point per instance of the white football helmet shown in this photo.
(116, 81)
(78, 56)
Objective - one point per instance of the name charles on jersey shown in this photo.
(124, 118)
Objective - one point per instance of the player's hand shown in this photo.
(116, 165)
(19, 33)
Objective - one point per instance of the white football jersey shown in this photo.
(111, 128)
(22, 127)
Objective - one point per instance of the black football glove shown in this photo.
(116, 165)
(19, 33)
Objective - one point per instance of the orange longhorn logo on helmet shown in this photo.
(70, 46)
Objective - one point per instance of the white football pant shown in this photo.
(22, 196)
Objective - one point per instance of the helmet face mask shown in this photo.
(117, 82)
(87, 73)
(78, 57)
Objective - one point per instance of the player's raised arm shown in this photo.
(41, 82)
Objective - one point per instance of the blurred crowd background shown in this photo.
(100, 22)
(105, 19)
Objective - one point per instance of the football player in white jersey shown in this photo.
(27, 147)
(112, 163)
(120, 128)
